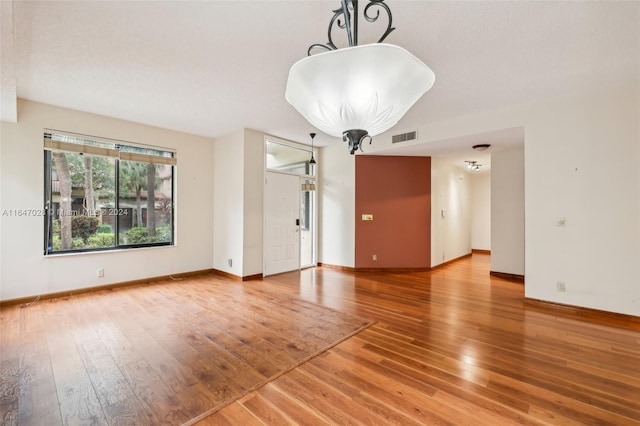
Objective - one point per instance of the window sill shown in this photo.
(106, 251)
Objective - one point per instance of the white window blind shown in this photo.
(67, 142)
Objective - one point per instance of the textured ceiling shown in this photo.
(459, 150)
(212, 67)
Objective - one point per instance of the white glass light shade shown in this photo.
(367, 87)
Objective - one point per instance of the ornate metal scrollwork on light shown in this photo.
(357, 92)
(355, 137)
(349, 12)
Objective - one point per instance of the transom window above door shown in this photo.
(289, 159)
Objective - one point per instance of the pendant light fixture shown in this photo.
(357, 92)
(473, 166)
(313, 160)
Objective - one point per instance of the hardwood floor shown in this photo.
(453, 346)
(163, 353)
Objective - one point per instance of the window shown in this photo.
(104, 195)
(306, 204)
(289, 159)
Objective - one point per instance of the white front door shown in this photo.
(282, 223)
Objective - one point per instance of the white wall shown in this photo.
(253, 202)
(2, 179)
(336, 205)
(507, 212)
(582, 162)
(239, 199)
(451, 192)
(597, 133)
(481, 211)
(238, 191)
(25, 271)
(228, 208)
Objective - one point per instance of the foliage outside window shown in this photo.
(104, 195)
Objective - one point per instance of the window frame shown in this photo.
(167, 157)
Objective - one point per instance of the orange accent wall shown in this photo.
(397, 192)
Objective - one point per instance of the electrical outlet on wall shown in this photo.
(561, 286)
(374, 257)
(230, 262)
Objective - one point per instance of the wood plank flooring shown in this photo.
(163, 353)
(450, 347)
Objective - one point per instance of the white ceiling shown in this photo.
(459, 150)
(211, 67)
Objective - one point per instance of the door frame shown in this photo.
(302, 178)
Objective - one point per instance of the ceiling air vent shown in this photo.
(409, 136)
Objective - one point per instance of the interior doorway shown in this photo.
(289, 208)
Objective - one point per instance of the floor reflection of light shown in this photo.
(308, 286)
(319, 286)
(468, 375)
(468, 360)
(469, 367)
